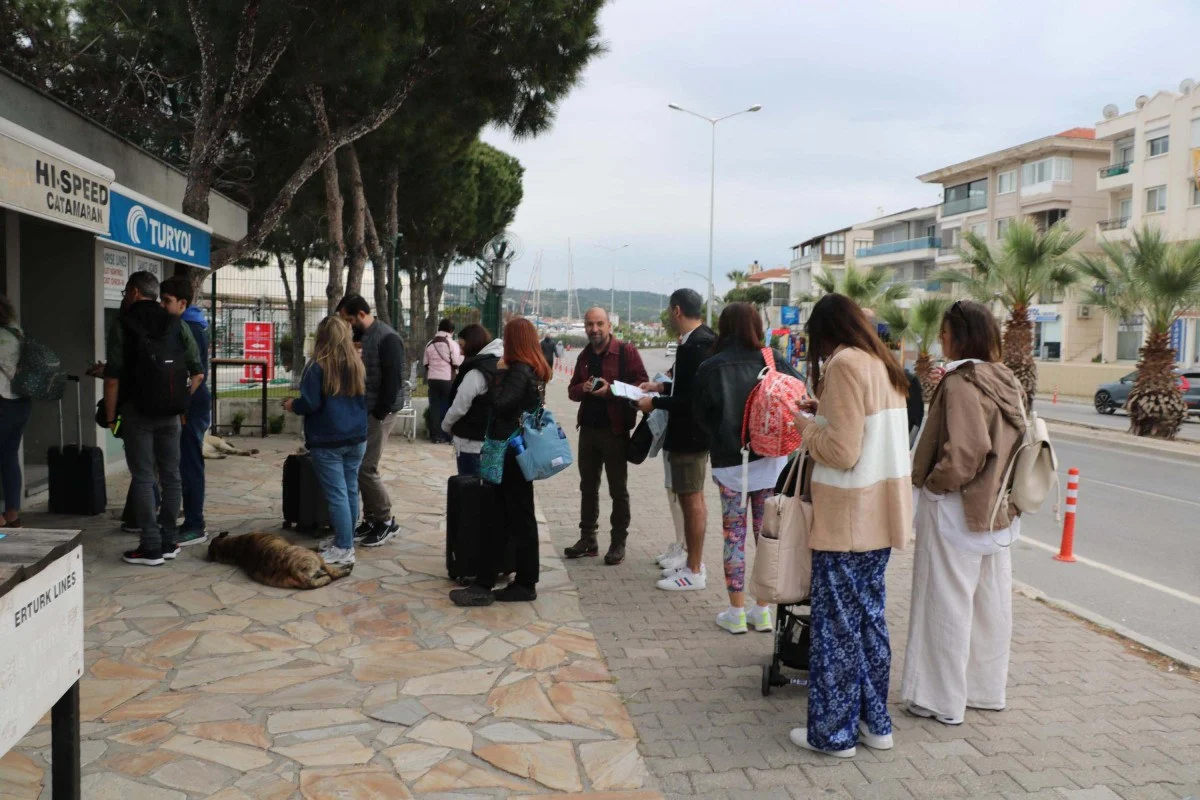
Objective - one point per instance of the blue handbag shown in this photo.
(491, 460)
(541, 445)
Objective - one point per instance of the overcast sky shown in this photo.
(858, 98)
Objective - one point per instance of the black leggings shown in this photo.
(515, 527)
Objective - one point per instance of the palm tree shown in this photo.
(737, 277)
(1026, 263)
(1161, 281)
(869, 290)
(922, 324)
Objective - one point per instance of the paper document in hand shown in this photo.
(629, 392)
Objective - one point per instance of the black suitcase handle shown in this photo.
(62, 439)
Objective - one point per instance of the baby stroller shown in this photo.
(793, 640)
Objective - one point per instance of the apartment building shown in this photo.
(778, 280)
(906, 245)
(1152, 177)
(1048, 179)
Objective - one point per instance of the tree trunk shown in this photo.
(380, 260)
(923, 367)
(434, 288)
(416, 301)
(358, 223)
(1018, 351)
(335, 237)
(299, 318)
(1156, 406)
(392, 229)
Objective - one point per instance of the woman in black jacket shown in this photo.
(470, 405)
(723, 384)
(518, 388)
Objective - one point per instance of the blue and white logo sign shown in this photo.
(145, 227)
(789, 315)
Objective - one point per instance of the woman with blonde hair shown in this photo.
(333, 402)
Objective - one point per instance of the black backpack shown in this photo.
(158, 369)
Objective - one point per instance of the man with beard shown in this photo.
(383, 358)
(604, 424)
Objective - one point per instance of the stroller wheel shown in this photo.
(766, 680)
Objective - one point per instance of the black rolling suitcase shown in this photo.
(470, 516)
(76, 472)
(303, 501)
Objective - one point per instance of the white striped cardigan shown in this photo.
(861, 484)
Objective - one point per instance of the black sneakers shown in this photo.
(515, 593)
(380, 533)
(584, 548)
(146, 558)
(473, 595)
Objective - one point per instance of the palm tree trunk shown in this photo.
(1156, 407)
(923, 367)
(1018, 350)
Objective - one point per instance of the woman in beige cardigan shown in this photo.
(960, 620)
(862, 508)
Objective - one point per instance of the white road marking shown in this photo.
(1156, 495)
(1120, 573)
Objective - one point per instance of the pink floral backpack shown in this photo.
(767, 420)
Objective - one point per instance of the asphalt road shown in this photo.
(1081, 413)
(1137, 531)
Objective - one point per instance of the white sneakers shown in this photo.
(732, 620)
(921, 711)
(343, 556)
(760, 618)
(685, 581)
(799, 737)
(673, 561)
(671, 552)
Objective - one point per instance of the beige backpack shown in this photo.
(1032, 471)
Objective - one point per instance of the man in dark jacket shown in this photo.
(604, 423)
(549, 350)
(138, 395)
(685, 446)
(383, 358)
(176, 298)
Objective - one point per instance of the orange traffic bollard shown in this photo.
(1066, 551)
(1055, 400)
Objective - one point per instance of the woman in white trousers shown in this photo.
(960, 623)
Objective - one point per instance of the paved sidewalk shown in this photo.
(1087, 719)
(201, 683)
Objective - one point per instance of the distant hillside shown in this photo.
(646, 305)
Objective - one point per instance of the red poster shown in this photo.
(259, 344)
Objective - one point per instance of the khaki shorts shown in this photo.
(687, 472)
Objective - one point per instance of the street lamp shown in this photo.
(712, 185)
(634, 272)
(612, 296)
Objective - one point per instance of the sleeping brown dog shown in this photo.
(272, 560)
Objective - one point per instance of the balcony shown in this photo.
(1113, 170)
(1115, 224)
(922, 243)
(964, 205)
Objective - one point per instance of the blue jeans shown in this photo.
(337, 472)
(468, 463)
(851, 658)
(14, 414)
(191, 460)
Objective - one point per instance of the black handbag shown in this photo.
(640, 442)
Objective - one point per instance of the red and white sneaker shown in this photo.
(685, 581)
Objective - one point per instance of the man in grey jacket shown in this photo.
(383, 357)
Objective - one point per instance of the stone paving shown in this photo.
(1087, 718)
(201, 683)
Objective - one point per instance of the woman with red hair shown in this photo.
(519, 387)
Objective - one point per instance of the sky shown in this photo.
(858, 98)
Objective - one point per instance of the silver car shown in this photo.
(1112, 396)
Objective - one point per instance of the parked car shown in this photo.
(1111, 396)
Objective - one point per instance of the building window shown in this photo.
(806, 249)
(862, 244)
(780, 293)
(1055, 215)
(1125, 208)
(1055, 168)
(1156, 199)
(835, 245)
(1006, 182)
(1001, 227)
(950, 238)
(980, 230)
(1157, 143)
(970, 196)
(1195, 193)
(1196, 132)
(1124, 151)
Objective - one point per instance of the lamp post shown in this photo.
(712, 186)
(493, 311)
(708, 281)
(633, 272)
(612, 295)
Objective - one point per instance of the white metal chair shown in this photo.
(409, 414)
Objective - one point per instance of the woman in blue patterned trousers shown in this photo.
(862, 508)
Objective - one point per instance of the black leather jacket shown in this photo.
(513, 391)
(684, 435)
(722, 385)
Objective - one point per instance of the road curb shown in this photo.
(1181, 449)
(1189, 661)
